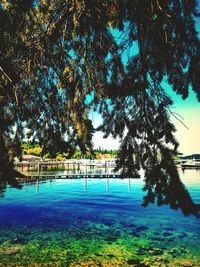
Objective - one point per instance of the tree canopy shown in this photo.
(60, 59)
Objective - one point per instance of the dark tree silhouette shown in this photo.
(60, 59)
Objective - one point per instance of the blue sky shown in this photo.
(189, 110)
(189, 138)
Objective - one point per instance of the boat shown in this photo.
(191, 164)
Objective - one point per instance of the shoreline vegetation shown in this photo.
(99, 153)
(62, 155)
(33, 162)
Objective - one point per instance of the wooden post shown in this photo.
(79, 166)
(129, 185)
(38, 169)
(73, 167)
(107, 185)
(85, 185)
(37, 186)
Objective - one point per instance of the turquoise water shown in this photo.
(95, 222)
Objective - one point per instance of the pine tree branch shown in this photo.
(1, 69)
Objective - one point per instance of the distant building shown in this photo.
(28, 158)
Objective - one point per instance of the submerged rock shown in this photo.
(111, 255)
(168, 228)
(10, 251)
(162, 265)
(142, 228)
(136, 263)
(111, 238)
(143, 250)
(155, 251)
(133, 262)
(182, 235)
(98, 254)
(25, 232)
(18, 240)
(158, 239)
(156, 233)
(167, 234)
(173, 252)
(133, 233)
(131, 225)
(186, 263)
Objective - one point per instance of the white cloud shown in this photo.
(107, 143)
(189, 139)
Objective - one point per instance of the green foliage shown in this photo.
(103, 156)
(36, 149)
(6, 5)
(175, 158)
(99, 156)
(77, 154)
(112, 152)
(47, 156)
(61, 156)
(33, 151)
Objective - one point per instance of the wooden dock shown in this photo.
(76, 176)
(190, 166)
(69, 169)
(64, 165)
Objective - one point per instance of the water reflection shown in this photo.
(129, 185)
(37, 186)
(107, 185)
(166, 188)
(11, 181)
(2, 189)
(85, 185)
(161, 188)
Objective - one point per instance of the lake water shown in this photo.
(95, 222)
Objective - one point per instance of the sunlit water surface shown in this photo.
(97, 222)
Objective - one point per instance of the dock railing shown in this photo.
(68, 169)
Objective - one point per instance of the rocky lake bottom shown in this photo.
(63, 224)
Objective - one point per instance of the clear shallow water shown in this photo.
(97, 222)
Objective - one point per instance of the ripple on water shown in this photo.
(64, 226)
